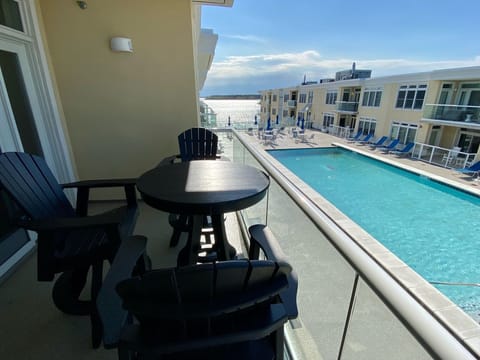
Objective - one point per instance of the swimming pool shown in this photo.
(430, 226)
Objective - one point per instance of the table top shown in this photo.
(203, 187)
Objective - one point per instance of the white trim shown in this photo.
(54, 143)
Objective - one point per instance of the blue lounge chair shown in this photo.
(366, 139)
(391, 146)
(356, 137)
(473, 170)
(379, 142)
(405, 151)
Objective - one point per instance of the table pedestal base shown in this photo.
(189, 254)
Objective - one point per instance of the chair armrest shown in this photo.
(169, 160)
(100, 183)
(84, 187)
(109, 303)
(111, 218)
(261, 237)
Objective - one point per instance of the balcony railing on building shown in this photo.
(328, 261)
(467, 115)
(449, 158)
(291, 103)
(347, 106)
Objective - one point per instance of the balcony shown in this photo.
(455, 115)
(291, 103)
(348, 107)
(350, 305)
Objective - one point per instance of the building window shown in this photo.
(328, 120)
(367, 125)
(331, 97)
(285, 113)
(274, 98)
(310, 97)
(285, 98)
(404, 132)
(411, 97)
(302, 98)
(372, 97)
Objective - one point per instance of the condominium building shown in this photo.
(438, 108)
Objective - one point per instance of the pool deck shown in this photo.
(464, 326)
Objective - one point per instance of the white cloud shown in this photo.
(267, 70)
(247, 38)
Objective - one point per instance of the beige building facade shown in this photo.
(440, 109)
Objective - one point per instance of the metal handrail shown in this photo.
(430, 333)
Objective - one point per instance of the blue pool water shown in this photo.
(430, 226)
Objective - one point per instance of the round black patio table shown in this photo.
(203, 187)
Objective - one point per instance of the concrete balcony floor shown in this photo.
(33, 328)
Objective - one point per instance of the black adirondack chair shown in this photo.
(193, 144)
(223, 310)
(197, 144)
(69, 241)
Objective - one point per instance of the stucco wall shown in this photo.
(123, 110)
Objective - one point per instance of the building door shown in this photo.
(17, 133)
(435, 135)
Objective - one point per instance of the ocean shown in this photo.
(241, 112)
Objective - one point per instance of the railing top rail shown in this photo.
(455, 106)
(427, 329)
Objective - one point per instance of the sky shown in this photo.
(267, 44)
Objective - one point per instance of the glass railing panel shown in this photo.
(375, 332)
(325, 278)
(460, 113)
(347, 106)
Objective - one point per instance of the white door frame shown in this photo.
(39, 87)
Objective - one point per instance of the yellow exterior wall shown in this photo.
(123, 110)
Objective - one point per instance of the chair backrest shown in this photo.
(455, 151)
(408, 147)
(193, 299)
(475, 167)
(393, 143)
(29, 181)
(197, 144)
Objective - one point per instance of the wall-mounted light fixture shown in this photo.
(121, 44)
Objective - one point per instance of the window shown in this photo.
(328, 119)
(285, 113)
(372, 97)
(404, 132)
(274, 111)
(302, 98)
(285, 98)
(331, 97)
(411, 97)
(10, 14)
(274, 98)
(310, 97)
(367, 125)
